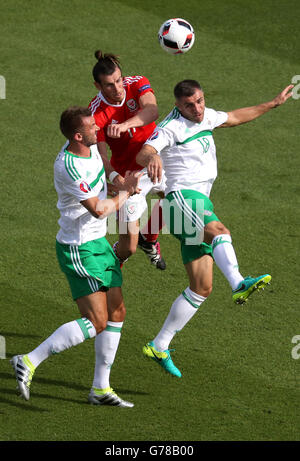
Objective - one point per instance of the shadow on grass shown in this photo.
(13, 334)
(57, 383)
(54, 382)
(28, 406)
(76, 387)
(21, 404)
(120, 390)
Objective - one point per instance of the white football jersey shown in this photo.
(188, 150)
(76, 179)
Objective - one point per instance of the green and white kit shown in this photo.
(77, 179)
(189, 160)
(84, 254)
(188, 150)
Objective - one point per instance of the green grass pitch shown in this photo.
(240, 381)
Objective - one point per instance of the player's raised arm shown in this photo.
(246, 114)
(147, 114)
(149, 158)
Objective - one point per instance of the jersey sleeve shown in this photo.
(143, 86)
(76, 185)
(161, 138)
(216, 118)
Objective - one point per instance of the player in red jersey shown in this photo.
(125, 110)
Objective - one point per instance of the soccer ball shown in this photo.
(176, 36)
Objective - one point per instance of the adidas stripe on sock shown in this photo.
(225, 258)
(67, 335)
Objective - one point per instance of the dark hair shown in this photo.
(106, 65)
(71, 120)
(186, 88)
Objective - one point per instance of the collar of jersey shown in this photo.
(78, 156)
(108, 103)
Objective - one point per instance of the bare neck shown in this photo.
(79, 149)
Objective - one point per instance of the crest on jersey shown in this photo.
(84, 187)
(132, 105)
(131, 209)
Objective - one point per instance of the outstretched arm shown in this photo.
(246, 114)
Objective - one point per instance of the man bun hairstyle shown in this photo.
(186, 88)
(106, 64)
(71, 120)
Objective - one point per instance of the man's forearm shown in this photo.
(108, 206)
(145, 155)
(103, 208)
(147, 115)
(247, 114)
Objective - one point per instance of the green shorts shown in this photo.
(89, 267)
(186, 212)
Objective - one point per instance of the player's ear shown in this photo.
(77, 137)
(97, 85)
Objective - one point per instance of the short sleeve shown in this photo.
(143, 86)
(216, 118)
(78, 187)
(161, 138)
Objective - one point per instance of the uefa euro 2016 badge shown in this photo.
(132, 105)
(153, 136)
(84, 187)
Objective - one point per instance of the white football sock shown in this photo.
(225, 258)
(181, 312)
(106, 345)
(67, 335)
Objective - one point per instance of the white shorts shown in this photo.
(135, 206)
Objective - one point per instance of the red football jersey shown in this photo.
(124, 149)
